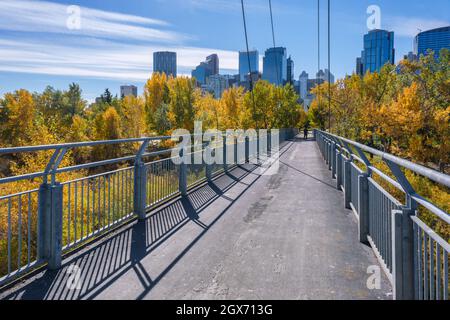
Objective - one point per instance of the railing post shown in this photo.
(347, 183)
(140, 190)
(50, 213)
(363, 207)
(182, 179)
(338, 170)
(55, 257)
(225, 154)
(247, 149)
(235, 148)
(208, 166)
(333, 160)
(44, 218)
(403, 254)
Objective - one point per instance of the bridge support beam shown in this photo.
(347, 183)
(403, 254)
(363, 208)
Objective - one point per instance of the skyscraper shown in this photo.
(218, 84)
(165, 62)
(325, 75)
(378, 50)
(303, 83)
(243, 63)
(206, 69)
(290, 70)
(435, 39)
(200, 73)
(213, 64)
(359, 66)
(128, 90)
(275, 66)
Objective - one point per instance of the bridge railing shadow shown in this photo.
(106, 261)
(109, 259)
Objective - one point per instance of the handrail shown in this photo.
(431, 174)
(411, 253)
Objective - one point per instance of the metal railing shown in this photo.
(413, 255)
(39, 226)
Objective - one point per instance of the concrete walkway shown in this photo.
(245, 236)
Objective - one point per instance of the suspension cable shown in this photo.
(249, 64)
(274, 43)
(329, 67)
(318, 52)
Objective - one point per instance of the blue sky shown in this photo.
(116, 38)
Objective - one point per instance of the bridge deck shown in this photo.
(245, 236)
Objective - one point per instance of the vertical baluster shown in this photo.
(109, 200)
(29, 230)
(99, 198)
(9, 235)
(425, 267)
(68, 212)
(445, 293)
(82, 210)
(415, 240)
(432, 279)
(88, 224)
(19, 234)
(104, 201)
(438, 272)
(420, 255)
(75, 212)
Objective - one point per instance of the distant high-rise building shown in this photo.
(378, 50)
(290, 70)
(306, 85)
(200, 73)
(275, 66)
(128, 90)
(324, 76)
(218, 84)
(213, 64)
(359, 67)
(411, 56)
(206, 69)
(435, 39)
(243, 63)
(303, 84)
(165, 62)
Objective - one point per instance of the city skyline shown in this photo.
(135, 31)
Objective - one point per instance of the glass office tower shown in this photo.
(436, 40)
(378, 50)
(275, 66)
(165, 62)
(243, 63)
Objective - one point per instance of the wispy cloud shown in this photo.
(98, 58)
(109, 45)
(50, 17)
(411, 26)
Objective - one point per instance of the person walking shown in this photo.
(305, 133)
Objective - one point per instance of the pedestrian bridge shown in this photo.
(317, 227)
